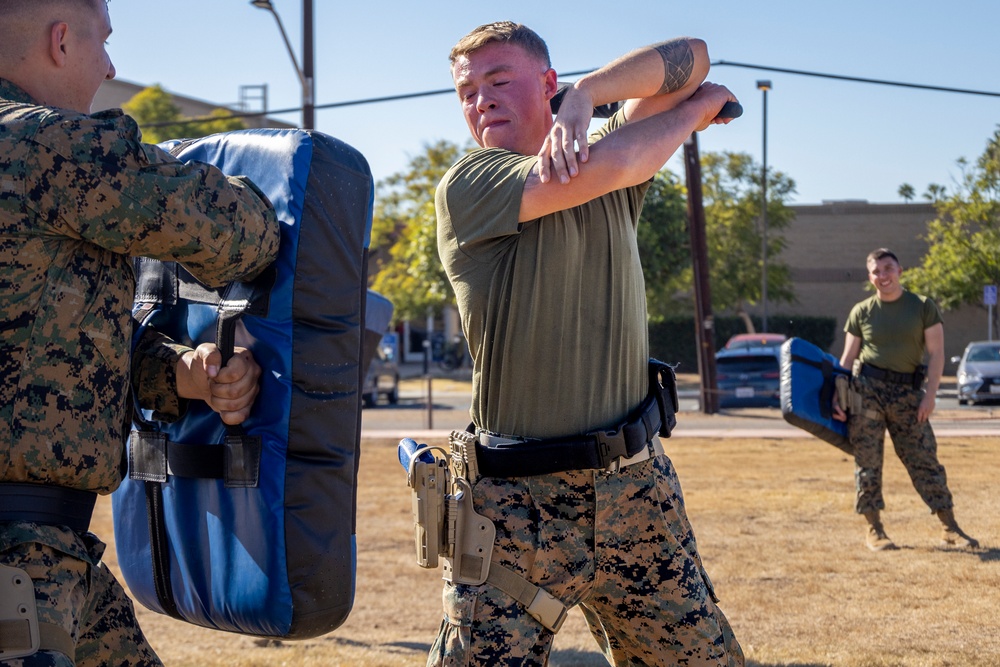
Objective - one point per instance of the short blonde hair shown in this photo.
(506, 32)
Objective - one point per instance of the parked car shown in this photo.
(747, 371)
(744, 341)
(382, 378)
(978, 373)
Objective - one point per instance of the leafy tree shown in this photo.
(160, 118)
(732, 199)
(963, 240)
(403, 261)
(665, 247)
(907, 192)
(223, 121)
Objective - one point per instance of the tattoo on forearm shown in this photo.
(678, 62)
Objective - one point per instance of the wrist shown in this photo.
(186, 385)
(583, 92)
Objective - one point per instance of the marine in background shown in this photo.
(886, 338)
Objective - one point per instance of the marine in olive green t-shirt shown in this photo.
(554, 309)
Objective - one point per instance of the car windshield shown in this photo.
(985, 353)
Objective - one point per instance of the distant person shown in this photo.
(539, 243)
(79, 196)
(886, 337)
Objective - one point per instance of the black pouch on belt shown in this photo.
(663, 387)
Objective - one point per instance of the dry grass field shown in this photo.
(775, 525)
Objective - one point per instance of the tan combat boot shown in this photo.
(876, 539)
(952, 535)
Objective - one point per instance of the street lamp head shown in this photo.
(262, 4)
(761, 84)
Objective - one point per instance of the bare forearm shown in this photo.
(935, 369)
(636, 151)
(934, 342)
(852, 347)
(630, 155)
(660, 69)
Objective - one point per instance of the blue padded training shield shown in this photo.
(251, 529)
(807, 387)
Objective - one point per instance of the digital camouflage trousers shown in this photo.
(75, 591)
(892, 406)
(617, 544)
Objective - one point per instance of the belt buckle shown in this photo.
(611, 449)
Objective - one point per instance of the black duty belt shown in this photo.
(913, 379)
(49, 505)
(594, 450)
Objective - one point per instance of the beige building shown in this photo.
(116, 92)
(826, 249)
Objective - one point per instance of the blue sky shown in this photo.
(836, 139)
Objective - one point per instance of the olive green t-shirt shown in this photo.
(892, 332)
(554, 310)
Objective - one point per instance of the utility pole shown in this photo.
(764, 86)
(704, 330)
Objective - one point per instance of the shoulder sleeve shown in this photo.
(613, 123)
(93, 179)
(479, 199)
(853, 324)
(930, 313)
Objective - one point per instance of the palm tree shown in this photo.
(907, 192)
(935, 193)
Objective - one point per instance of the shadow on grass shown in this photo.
(742, 412)
(990, 555)
(417, 647)
(578, 658)
(572, 657)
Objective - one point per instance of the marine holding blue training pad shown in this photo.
(252, 530)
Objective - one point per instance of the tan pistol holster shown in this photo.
(447, 526)
(21, 633)
(851, 400)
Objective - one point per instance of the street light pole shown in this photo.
(309, 80)
(764, 86)
(305, 73)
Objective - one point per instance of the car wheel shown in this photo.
(393, 395)
(963, 401)
(368, 400)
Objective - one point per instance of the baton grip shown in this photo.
(730, 110)
(407, 447)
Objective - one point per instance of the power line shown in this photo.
(451, 91)
(841, 77)
(331, 105)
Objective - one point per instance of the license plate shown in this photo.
(747, 392)
(995, 388)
